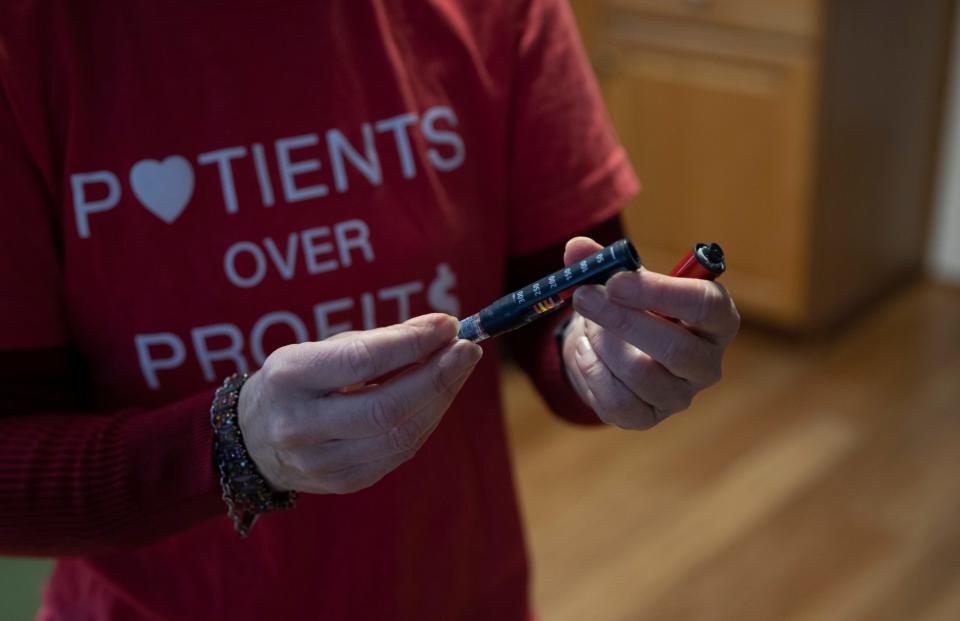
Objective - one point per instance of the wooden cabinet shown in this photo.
(732, 112)
(791, 16)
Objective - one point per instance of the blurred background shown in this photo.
(819, 142)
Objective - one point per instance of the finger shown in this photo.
(613, 402)
(579, 248)
(683, 353)
(342, 335)
(400, 443)
(574, 332)
(639, 372)
(333, 363)
(381, 409)
(701, 304)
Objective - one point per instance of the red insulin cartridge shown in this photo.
(705, 261)
(550, 293)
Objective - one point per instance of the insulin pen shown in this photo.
(548, 294)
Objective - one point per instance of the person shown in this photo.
(308, 193)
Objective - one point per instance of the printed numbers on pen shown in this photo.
(536, 288)
(600, 258)
(584, 266)
(552, 281)
(568, 274)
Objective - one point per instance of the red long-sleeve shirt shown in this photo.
(79, 483)
(187, 187)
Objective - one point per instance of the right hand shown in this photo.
(309, 428)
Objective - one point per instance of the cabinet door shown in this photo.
(722, 148)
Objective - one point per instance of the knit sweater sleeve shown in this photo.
(81, 483)
(75, 481)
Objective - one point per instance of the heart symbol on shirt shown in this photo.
(164, 187)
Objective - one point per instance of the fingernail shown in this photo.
(585, 350)
(476, 353)
(437, 322)
(468, 353)
(588, 298)
(451, 324)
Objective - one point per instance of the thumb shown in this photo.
(579, 248)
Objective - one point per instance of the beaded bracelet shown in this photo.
(245, 492)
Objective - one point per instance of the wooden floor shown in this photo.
(818, 481)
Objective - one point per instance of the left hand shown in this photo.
(634, 367)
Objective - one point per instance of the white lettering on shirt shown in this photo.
(346, 243)
(285, 264)
(207, 356)
(322, 312)
(289, 170)
(313, 249)
(230, 264)
(225, 342)
(222, 158)
(149, 365)
(82, 207)
(401, 293)
(165, 188)
(339, 148)
(437, 136)
(263, 176)
(246, 264)
(398, 126)
(296, 326)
